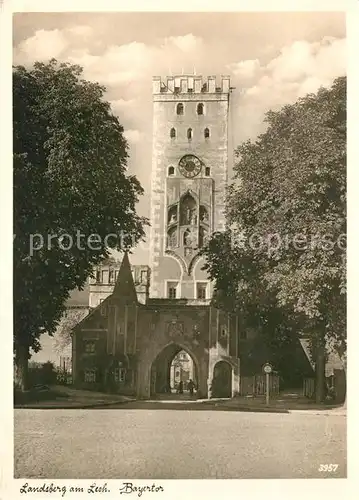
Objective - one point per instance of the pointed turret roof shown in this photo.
(124, 286)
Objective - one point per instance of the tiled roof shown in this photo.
(334, 362)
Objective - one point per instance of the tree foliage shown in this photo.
(70, 182)
(281, 263)
(62, 335)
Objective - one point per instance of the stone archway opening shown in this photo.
(222, 380)
(171, 373)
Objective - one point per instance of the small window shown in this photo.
(201, 291)
(89, 347)
(200, 109)
(98, 276)
(173, 133)
(189, 134)
(111, 276)
(90, 375)
(172, 290)
(143, 276)
(180, 108)
(208, 171)
(177, 374)
(120, 374)
(223, 331)
(206, 133)
(171, 170)
(105, 277)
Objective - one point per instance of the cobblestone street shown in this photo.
(170, 444)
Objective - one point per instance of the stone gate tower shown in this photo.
(189, 177)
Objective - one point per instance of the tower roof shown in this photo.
(124, 286)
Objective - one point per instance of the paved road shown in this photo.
(169, 444)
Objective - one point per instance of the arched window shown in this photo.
(180, 108)
(200, 109)
(171, 170)
(208, 171)
(206, 133)
(173, 133)
(189, 134)
(188, 210)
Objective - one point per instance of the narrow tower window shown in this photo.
(189, 134)
(173, 133)
(208, 171)
(180, 108)
(200, 109)
(172, 290)
(171, 170)
(206, 133)
(201, 291)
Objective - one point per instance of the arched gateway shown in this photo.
(127, 347)
(163, 367)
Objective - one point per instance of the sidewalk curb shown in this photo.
(72, 407)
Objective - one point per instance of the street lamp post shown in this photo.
(267, 368)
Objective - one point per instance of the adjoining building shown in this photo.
(128, 347)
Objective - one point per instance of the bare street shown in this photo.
(169, 444)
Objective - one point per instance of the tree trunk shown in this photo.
(344, 361)
(21, 367)
(320, 374)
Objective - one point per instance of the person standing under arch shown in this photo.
(190, 387)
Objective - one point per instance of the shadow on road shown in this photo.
(187, 406)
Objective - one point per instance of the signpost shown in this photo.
(267, 368)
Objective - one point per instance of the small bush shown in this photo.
(42, 374)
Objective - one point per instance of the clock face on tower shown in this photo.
(190, 166)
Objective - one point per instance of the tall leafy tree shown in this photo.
(73, 197)
(287, 212)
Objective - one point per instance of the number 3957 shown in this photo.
(328, 467)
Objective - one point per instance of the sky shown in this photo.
(272, 59)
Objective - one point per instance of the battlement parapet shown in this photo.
(190, 84)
